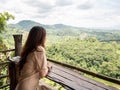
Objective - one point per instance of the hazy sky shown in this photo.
(81, 13)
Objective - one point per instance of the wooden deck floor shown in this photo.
(75, 81)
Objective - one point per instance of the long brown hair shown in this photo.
(35, 38)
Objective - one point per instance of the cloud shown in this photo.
(41, 5)
(85, 6)
(64, 2)
(3, 1)
(81, 13)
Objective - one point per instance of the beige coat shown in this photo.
(31, 73)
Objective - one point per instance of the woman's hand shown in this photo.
(49, 67)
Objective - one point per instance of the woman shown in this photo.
(33, 63)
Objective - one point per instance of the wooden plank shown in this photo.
(113, 80)
(72, 79)
(81, 77)
(66, 82)
(77, 80)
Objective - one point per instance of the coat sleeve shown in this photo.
(41, 62)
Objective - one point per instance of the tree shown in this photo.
(4, 17)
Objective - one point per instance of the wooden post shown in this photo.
(18, 44)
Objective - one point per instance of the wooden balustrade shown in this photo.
(5, 64)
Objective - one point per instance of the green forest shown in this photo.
(90, 54)
(94, 50)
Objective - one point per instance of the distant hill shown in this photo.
(66, 30)
(27, 24)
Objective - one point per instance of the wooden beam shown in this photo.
(7, 51)
(18, 44)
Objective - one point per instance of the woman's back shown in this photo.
(30, 74)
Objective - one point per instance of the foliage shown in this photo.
(4, 17)
(90, 54)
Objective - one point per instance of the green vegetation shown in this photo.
(90, 54)
(4, 17)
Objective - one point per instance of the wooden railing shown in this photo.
(117, 40)
(4, 67)
(3, 77)
(5, 62)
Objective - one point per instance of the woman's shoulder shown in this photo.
(39, 52)
(40, 49)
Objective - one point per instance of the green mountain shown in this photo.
(27, 24)
(66, 30)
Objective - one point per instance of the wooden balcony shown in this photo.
(70, 77)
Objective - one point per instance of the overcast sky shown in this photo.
(80, 13)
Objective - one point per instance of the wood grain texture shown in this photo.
(75, 81)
